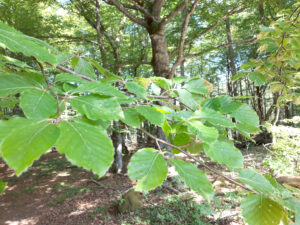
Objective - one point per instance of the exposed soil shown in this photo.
(55, 192)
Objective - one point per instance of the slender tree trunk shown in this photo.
(231, 58)
(118, 139)
(182, 68)
(228, 81)
(259, 103)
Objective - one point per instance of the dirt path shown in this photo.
(53, 192)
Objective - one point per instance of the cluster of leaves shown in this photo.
(73, 110)
(280, 57)
(285, 152)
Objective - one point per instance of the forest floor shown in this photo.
(55, 192)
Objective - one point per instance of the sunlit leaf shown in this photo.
(260, 210)
(135, 88)
(151, 114)
(205, 133)
(13, 84)
(193, 178)
(38, 104)
(224, 152)
(26, 144)
(149, 168)
(97, 107)
(29, 46)
(256, 181)
(86, 146)
(85, 68)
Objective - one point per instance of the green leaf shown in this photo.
(246, 115)
(194, 178)
(258, 78)
(155, 89)
(214, 117)
(179, 80)
(256, 181)
(69, 78)
(182, 138)
(132, 118)
(162, 82)
(238, 76)
(149, 168)
(69, 87)
(195, 148)
(9, 60)
(12, 84)
(86, 146)
(197, 86)
(2, 186)
(212, 103)
(224, 152)
(249, 65)
(9, 102)
(166, 128)
(228, 105)
(135, 88)
(36, 79)
(297, 212)
(188, 99)
(97, 107)
(101, 89)
(205, 133)
(29, 46)
(105, 72)
(260, 210)
(7, 126)
(276, 87)
(24, 145)
(246, 128)
(151, 114)
(38, 104)
(85, 68)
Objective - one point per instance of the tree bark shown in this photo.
(231, 58)
(160, 56)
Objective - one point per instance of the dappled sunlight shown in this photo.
(63, 174)
(27, 221)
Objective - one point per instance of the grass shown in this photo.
(178, 210)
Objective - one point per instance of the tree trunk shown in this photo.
(259, 104)
(120, 148)
(182, 69)
(231, 58)
(160, 56)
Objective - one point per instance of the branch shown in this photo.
(121, 64)
(72, 38)
(156, 8)
(174, 13)
(199, 162)
(99, 34)
(123, 10)
(232, 12)
(251, 41)
(185, 24)
(49, 88)
(62, 68)
(139, 8)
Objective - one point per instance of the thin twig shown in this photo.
(171, 189)
(159, 148)
(60, 67)
(199, 162)
(49, 88)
